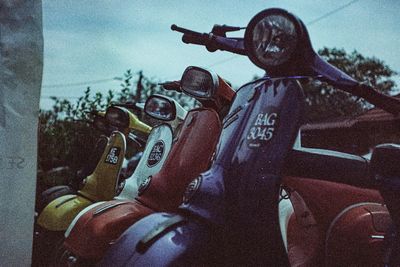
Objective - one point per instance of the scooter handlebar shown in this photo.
(211, 41)
(385, 102)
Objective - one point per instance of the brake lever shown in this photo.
(221, 30)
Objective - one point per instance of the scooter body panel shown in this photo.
(101, 225)
(100, 185)
(59, 213)
(189, 156)
(356, 236)
(240, 191)
(183, 236)
(349, 219)
(158, 146)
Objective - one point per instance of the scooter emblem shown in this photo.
(191, 189)
(144, 185)
(156, 154)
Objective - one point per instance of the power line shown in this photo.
(331, 12)
(63, 97)
(60, 85)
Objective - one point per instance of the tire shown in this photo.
(52, 193)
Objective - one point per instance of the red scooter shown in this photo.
(191, 154)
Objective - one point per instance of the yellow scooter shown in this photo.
(101, 185)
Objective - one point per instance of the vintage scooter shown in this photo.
(158, 146)
(191, 153)
(230, 213)
(73, 205)
(100, 123)
(100, 185)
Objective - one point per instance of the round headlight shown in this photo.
(271, 38)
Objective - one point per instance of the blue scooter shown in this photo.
(229, 215)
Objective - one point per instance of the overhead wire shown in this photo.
(330, 13)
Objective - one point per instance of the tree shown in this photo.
(325, 102)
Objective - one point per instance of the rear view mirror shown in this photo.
(199, 83)
(160, 107)
(118, 116)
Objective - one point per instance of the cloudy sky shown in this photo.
(91, 42)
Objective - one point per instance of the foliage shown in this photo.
(325, 102)
(66, 136)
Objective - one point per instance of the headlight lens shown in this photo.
(273, 39)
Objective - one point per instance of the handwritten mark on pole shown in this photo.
(12, 163)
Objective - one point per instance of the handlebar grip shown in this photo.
(172, 86)
(385, 102)
(195, 39)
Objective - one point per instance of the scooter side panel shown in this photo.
(181, 239)
(100, 226)
(356, 236)
(190, 155)
(259, 130)
(102, 183)
(80, 214)
(157, 149)
(60, 212)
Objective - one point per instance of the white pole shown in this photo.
(21, 64)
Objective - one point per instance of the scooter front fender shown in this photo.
(59, 213)
(177, 243)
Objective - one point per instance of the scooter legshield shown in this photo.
(102, 183)
(59, 213)
(157, 149)
(189, 156)
(238, 195)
